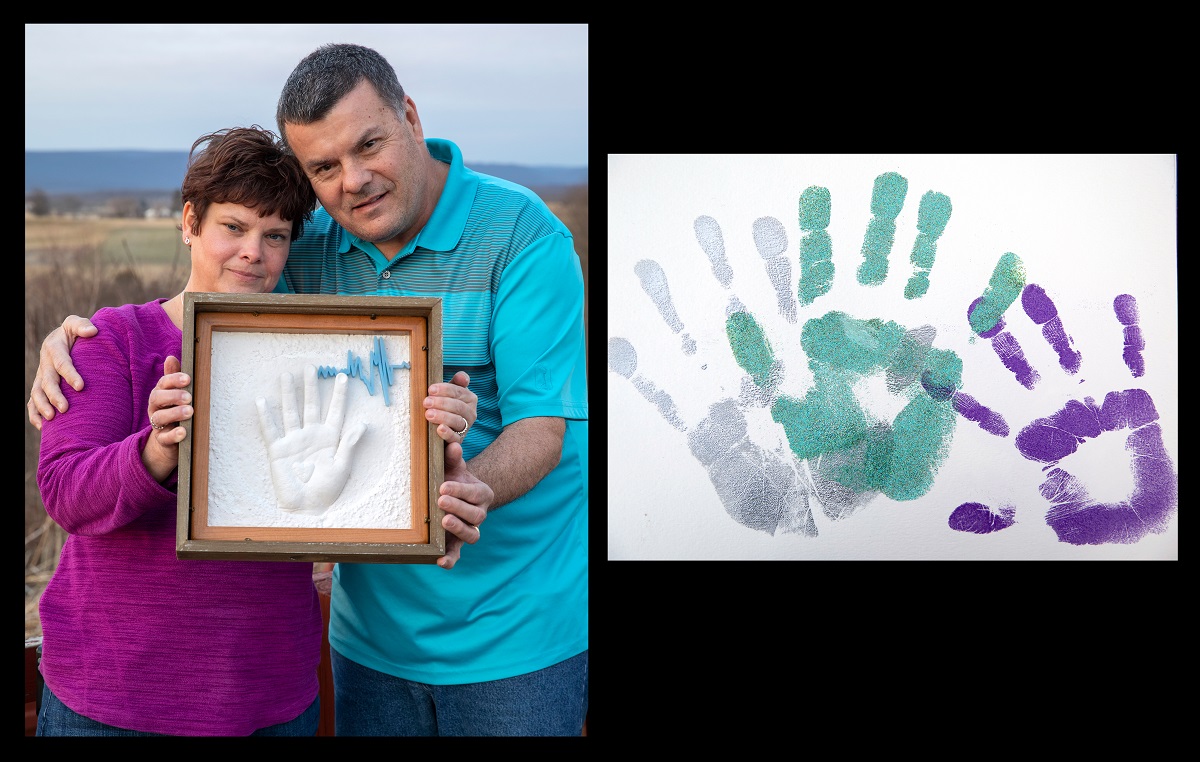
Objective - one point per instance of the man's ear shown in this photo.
(410, 116)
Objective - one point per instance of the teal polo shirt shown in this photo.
(511, 287)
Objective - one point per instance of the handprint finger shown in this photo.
(337, 402)
(816, 248)
(1008, 279)
(1126, 309)
(977, 518)
(343, 458)
(986, 316)
(654, 283)
(1008, 349)
(971, 409)
(919, 444)
(708, 233)
(887, 199)
(622, 359)
(932, 216)
(753, 352)
(1042, 311)
(771, 241)
(312, 398)
(291, 414)
(266, 422)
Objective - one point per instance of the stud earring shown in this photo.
(187, 241)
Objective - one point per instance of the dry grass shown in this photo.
(78, 266)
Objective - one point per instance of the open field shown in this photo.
(152, 246)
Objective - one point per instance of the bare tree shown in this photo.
(125, 206)
(39, 202)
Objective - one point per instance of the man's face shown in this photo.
(369, 167)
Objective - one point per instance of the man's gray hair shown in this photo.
(327, 75)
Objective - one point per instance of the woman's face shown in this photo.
(236, 251)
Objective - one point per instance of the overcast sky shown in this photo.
(509, 93)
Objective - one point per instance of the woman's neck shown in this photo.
(174, 309)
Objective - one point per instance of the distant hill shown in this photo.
(86, 172)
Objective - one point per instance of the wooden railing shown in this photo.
(33, 684)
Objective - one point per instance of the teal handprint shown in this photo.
(897, 459)
(840, 452)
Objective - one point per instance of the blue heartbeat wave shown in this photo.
(354, 369)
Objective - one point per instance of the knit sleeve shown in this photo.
(90, 471)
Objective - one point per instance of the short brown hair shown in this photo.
(248, 166)
(327, 75)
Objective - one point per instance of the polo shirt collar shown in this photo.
(445, 226)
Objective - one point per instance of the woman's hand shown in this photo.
(169, 404)
(452, 407)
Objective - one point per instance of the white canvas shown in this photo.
(1085, 228)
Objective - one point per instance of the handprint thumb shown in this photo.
(346, 446)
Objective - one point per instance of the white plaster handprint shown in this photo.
(311, 460)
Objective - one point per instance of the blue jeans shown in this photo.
(549, 702)
(57, 719)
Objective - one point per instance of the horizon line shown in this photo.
(187, 150)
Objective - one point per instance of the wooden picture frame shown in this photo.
(258, 478)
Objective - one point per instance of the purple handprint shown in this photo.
(1074, 516)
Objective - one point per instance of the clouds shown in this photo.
(505, 93)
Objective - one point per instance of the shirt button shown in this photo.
(387, 274)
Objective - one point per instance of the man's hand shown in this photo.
(55, 363)
(465, 500)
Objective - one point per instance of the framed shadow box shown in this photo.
(309, 440)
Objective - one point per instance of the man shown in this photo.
(499, 647)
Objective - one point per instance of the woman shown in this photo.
(136, 641)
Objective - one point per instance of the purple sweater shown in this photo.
(133, 636)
